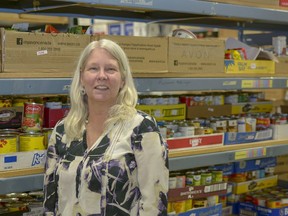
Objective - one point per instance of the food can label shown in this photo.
(8, 144)
(33, 117)
(31, 143)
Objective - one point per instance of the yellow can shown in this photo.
(8, 143)
(47, 133)
(5, 102)
(31, 141)
(179, 206)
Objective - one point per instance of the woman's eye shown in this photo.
(93, 69)
(111, 70)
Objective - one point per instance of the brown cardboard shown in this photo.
(196, 56)
(208, 111)
(281, 67)
(145, 54)
(25, 52)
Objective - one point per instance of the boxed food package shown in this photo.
(10, 117)
(145, 54)
(40, 52)
(22, 160)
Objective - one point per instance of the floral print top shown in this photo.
(124, 173)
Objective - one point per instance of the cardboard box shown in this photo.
(208, 140)
(212, 210)
(227, 169)
(22, 160)
(11, 117)
(280, 131)
(247, 137)
(196, 56)
(197, 192)
(227, 211)
(52, 116)
(284, 108)
(165, 112)
(252, 107)
(252, 67)
(208, 111)
(282, 66)
(145, 54)
(253, 185)
(25, 52)
(248, 209)
(254, 164)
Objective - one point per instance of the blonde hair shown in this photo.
(74, 122)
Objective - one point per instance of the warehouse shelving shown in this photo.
(192, 12)
(29, 86)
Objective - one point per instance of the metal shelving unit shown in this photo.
(189, 12)
(28, 86)
(21, 184)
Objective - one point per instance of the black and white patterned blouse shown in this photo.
(124, 173)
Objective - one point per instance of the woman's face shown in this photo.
(101, 77)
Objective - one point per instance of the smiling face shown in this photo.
(101, 77)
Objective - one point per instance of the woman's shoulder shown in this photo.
(147, 122)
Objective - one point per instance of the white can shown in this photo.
(279, 44)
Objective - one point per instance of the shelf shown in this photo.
(193, 158)
(28, 86)
(178, 160)
(189, 12)
(21, 183)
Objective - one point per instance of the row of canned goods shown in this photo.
(20, 202)
(56, 101)
(158, 100)
(235, 123)
(195, 178)
(218, 98)
(273, 197)
(186, 205)
(13, 140)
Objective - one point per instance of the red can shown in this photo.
(33, 114)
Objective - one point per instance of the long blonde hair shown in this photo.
(74, 122)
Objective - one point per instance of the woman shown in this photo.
(105, 157)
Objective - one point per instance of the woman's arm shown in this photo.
(50, 177)
(151, 153)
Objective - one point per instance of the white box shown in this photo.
(22, 160)
(280, 132)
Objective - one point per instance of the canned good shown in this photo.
(33, 117)
(19, 102)
(217, 176)
(47, 133)
(31, 141)
(8, 143)
(179, 206)
(5, 102)
(206, 178)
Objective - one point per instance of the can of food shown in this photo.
(47, 133)
(179, 206)
(217, 176)
(199, 203)
(8, 143)
(11, 132)
(19, 102)
(33, 117)
(31, 141)
(5, 102)
(206, 178)
(197, 179)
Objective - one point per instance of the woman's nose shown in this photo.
(101, 75)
